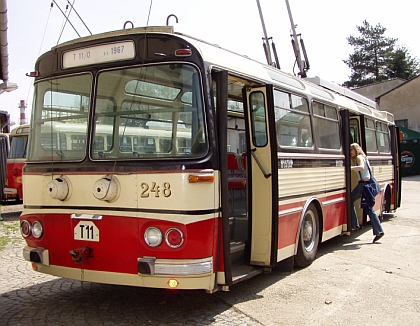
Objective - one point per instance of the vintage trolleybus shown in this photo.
(15, 161)
(159, 160)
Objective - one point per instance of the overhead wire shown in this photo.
(141, 69)
(40, 46)
(131, 104)
(150, 10)
(67, 20)
(74, 9)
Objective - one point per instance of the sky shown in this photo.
(34, 27)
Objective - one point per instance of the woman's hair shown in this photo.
(358, 149)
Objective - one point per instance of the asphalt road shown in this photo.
(352, 282)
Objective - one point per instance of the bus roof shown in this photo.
(20, 130)
(243, 66)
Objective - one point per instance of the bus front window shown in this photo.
(59, 119)
(149, 111)
(18, 147)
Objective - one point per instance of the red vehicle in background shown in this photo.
(15, 162)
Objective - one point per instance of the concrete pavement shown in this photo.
(352, 282)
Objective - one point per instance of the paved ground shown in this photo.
(352, 282)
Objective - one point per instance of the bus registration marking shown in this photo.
(86, 230)
(99, 54)
(149, 189)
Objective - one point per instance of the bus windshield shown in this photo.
(149, 111)
(153, 111)
(18, 147)
(60, 118)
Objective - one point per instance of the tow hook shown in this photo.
(79, 254)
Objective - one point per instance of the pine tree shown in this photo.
(372, 50)
(377, 58)
(402, 65)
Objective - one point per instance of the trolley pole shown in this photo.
(266, 43)
(295, 43)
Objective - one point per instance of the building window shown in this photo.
(402, 123)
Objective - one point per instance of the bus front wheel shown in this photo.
(308, 238)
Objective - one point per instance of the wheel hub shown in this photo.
(307, 231)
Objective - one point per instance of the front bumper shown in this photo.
(37, 255)
(145, 265)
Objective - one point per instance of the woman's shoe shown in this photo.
(357, 228)
(377, 237)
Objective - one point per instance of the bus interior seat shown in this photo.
(236, 178)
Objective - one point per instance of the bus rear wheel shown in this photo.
(308, 238)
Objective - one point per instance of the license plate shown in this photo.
(87, 231)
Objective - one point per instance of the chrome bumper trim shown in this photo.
(153, 266)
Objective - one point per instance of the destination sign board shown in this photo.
(99, 54)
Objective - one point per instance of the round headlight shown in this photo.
(58, 188)
(106, 189)
(37, 229)
(174, 238)
(153, 237)
(25, 228)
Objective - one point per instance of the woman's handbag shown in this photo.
(376, 188)
(370, 189)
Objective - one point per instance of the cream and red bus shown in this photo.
(15, 161)
(159, 160)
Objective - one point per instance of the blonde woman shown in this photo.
(360, 165)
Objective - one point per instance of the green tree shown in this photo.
(377, 57)
(402, 64)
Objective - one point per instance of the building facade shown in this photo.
(375, 90)
(403, 102)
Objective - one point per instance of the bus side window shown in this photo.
(98, 143)
(382, 135)
(305, 139)
(293, 126)
(326, 124)
(354, 130)
(150, 145)
(258, 119)
(199, 145)
(370, 134)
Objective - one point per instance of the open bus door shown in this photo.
(396, 155)
(349, 133)
(261, 175)
(357, 135)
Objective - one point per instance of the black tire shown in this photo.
(385, 205)
(308, 238)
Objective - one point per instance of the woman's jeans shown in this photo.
(374, 220)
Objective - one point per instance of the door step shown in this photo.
(244, 272)
(237, 254)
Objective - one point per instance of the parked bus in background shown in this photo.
(4, 152)
(160, 160)
(15, 161)
(4, 148)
